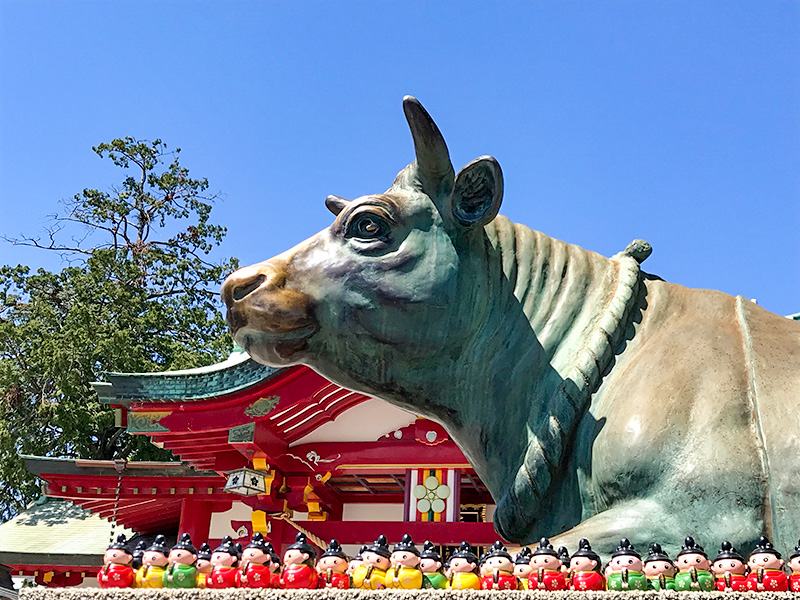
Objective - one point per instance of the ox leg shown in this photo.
(642, 521)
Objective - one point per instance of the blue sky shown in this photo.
(677, 122)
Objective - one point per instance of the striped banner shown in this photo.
(433, 495)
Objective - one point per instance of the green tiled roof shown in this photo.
(237, 372)
(55, 532)
(39, 465)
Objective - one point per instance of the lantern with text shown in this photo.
(246, 482)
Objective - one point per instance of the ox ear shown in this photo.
(335, 204)
(478, 192)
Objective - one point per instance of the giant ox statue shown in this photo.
(593, 399)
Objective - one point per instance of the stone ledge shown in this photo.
(266, 594)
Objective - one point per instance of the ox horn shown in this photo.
(433, 159)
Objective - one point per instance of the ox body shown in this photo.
(593, 399)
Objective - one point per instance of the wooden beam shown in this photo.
(365, 532)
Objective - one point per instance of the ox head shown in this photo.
(388, 284)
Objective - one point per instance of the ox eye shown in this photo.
(367, 226)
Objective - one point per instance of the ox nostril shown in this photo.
(241, 291)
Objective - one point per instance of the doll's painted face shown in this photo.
(582, 563)
(461, 565)
(522, 570)
(255, 556)
(794, 564)
(181, 556)
(334, 563)
(405, 559)
(353, 564)
(203, 565)
(223, 559)
(428, 565)
(294, 556)
(154, 558)
(625, 561)
(375, 559)
(765, 560)
(545, 561)
(698, 561)
(117, 556)
(654, 568)
(499, 562)
(734, 566)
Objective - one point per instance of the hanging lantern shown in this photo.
(246, 482)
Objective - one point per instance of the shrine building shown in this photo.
(295, 452)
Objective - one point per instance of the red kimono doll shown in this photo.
(585, 567)
(730, 569)
(794, 565)
(766, 569)
(256, 571)
(546, 565)
(497, 569)
(224, 565)
(332, 568)
(298, 565)
(117, 570)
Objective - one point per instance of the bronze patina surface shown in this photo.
(593, 399)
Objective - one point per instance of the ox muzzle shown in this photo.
(270, 321)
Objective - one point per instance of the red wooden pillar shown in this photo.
(278, 529)
(195, 520)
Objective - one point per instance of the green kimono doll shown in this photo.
(431, 565)
(693, 569)
(182, 569)
(659, 569)
(625, 569)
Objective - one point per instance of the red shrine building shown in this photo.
(295, 452)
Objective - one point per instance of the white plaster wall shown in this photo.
(365, 422)
(372, 512)
(221, 521)
(490, 508)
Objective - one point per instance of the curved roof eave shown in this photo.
(235, 373)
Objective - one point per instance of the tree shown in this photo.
(140, 294)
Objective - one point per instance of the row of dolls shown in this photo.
(405, 566)
(692, 569)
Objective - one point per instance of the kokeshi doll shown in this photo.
(404, 572)
(463, 569)
(182, 568)
(432, 567)
(255, 570)
(371, 573)
(625, 569)
(730, 569)
(585, 567)
(299, 565)
(693, 568)
(154, 564)
(546, 571)
(522, 567)
(497, 569)
(794, 565)
(659, 569)
(224, 565)
(766, 569)
(332, 568)
(117, 569)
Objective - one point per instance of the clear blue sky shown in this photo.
(677, 122)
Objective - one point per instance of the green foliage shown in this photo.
(140, 294)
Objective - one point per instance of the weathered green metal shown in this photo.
(237, 373)
(242, 434)
(592, 398)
